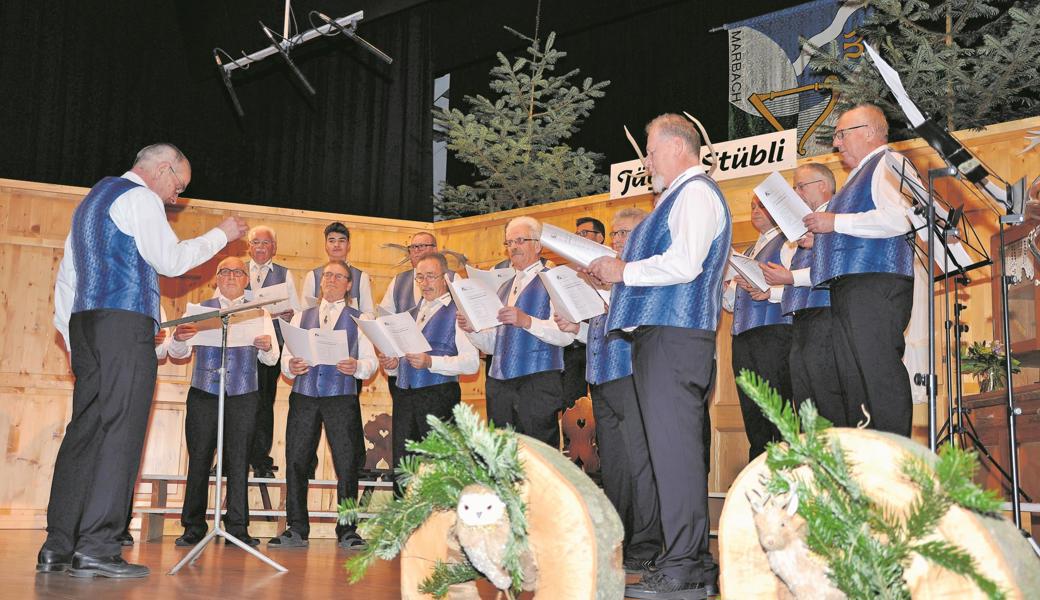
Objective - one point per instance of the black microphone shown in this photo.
(227, 84)
(285, 56)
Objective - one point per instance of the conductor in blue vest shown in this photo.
(264, 272)
(428, 382)
(668, 289)
(525, 384)
(325, 395)
(862, 255)
(106, 306)
(761, 332)
(241, 398)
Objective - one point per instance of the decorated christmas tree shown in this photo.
(516, 141)
(966, 63)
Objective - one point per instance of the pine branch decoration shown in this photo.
(453, 455)
(868, 545)
(516, 141)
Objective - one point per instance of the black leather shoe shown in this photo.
(109, 566)
(263, 472)
(190, 538)
(638, 566)
(49, 561)
(659, 586)
(125, 539)
(243, 537)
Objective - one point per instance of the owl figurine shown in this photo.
(482, 530)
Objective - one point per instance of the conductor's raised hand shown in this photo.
(233, 228)
(511, 315)
(565, 325)
(185, 332)
(607, 269)
(262, 342)
(347, 366)
(463, 322)
(419, 360)
(298, 366)
(777, 274)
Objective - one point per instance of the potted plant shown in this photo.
(985, 361)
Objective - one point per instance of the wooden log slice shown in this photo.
(573, 529)
(998, 548)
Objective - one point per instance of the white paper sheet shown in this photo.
(572, 297)
(480, 305)
(891, 77)
(243, 327)
(750, 270)
(492, 279)
(316, 346)
(395, 335)
(279, 292)
(573, 247)
(784, 204)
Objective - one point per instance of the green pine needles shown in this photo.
(968, 63)
(452, 456)
(866, 544)
(516, 142)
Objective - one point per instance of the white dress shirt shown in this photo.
(696, 219)
(389, 303)
(776, 292)
(268, 357)
(465, 362)
(362, 304)
(889, 218)
(258, 272)
(367, 363)
(543, 329)
(138, 213)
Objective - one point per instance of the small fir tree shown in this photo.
(966, 63)
(516, 142)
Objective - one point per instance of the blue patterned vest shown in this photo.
(837, 254)
(241, 366)
(355, 284)
(110, 272)
(693, 305)
(323, 381)
(275, 275)
(517, 352)
(749, 313)
(608, 354)
(798, 298)
(439, 331)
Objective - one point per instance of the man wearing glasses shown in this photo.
(862, 255)
(428, 383)
(325, 395)
(814, 373)
(264, 272)
(404, 291)
(574, 384)
(241, 398)
(106, 306)
(524, 387)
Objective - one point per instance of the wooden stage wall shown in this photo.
(36, 383)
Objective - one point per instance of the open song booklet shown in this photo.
(492, 279)
(316, 346)
(243, 327)
(572, 297)
(395, 335)
(479, 303)
(749, 269)
(573, 247)
(783, 204)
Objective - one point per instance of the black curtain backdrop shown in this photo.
(84, 85)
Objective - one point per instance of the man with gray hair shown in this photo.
(106, 306)
(524, 385)
(862, 255)
(668, 289)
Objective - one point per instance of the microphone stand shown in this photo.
(224, 314)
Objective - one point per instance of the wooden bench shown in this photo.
(154, 516)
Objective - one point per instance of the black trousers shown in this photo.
(870, 313)
(814, 373)
(200, 433)
(113, 359)
(263, 435)
(341, 417)
(531, 404)
(628, 477)
(410, 408)
(766, 351)
(672, 370)
(574, 384)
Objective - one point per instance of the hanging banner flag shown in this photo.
(771, 87)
